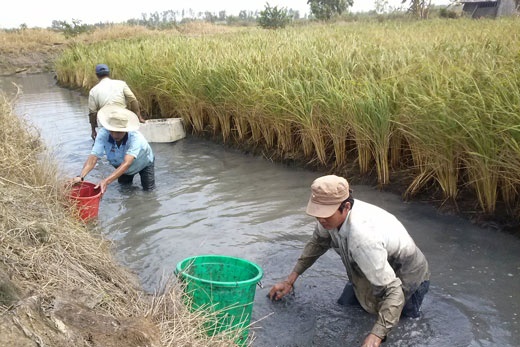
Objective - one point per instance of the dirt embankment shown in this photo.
(30, 62)
(59, 285)
(34, 62)
(29, 51)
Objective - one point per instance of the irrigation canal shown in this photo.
(213, 200)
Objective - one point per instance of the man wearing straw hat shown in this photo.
(388, 274)
(126, 149)
(109, 92)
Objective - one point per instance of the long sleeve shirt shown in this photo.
(382, 261)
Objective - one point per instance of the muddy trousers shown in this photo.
(147, 177)
(411, 308)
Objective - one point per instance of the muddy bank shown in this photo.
(29, 51)
(466, 206)
(33, 62)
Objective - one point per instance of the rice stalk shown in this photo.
(380, 84)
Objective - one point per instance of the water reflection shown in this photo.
(214, 200)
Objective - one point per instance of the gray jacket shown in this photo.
(382, 261)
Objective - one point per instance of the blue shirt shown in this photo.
(133, 144)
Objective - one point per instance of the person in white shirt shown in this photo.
(388, 274)
(109, 92)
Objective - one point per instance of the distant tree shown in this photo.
(325, 9)
(294, 14)
(445, 13)
(242, 15)
(70, 30)
(244, 18)
(273, 18)
(381, 6)
(222, 16)
(419, 8)
(209, 17)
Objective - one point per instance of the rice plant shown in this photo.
(440, 91)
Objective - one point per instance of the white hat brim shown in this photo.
(116, 118)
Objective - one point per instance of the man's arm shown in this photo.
(314, 248)
(92, 117)
(93, 107)
(389, 309)
(89, 164)
(388, 314)
(386, 287)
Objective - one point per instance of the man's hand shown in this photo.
(372, 341)
(141, 119)
(102, 185)
(279, 290)
(73, 181)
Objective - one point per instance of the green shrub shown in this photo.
(273, 18)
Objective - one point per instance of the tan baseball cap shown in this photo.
(327, 193)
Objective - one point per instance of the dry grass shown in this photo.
(114, 32)
(49, 256)
(33, 40)
(204, 28)
(35, 50)
(28, 40)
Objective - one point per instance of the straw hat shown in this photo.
(117, 118)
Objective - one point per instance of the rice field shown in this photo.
(437, 100)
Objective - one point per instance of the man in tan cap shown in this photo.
(126, 149)
(388, 274)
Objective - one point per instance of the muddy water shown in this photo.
(213, 200)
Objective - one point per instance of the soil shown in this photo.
(34, 62)
(65, 321)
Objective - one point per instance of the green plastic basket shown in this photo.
(225, 285)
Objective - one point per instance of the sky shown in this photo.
(41, 13)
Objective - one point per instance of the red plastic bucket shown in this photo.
(86, 199)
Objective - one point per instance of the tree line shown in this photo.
(271, 17)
